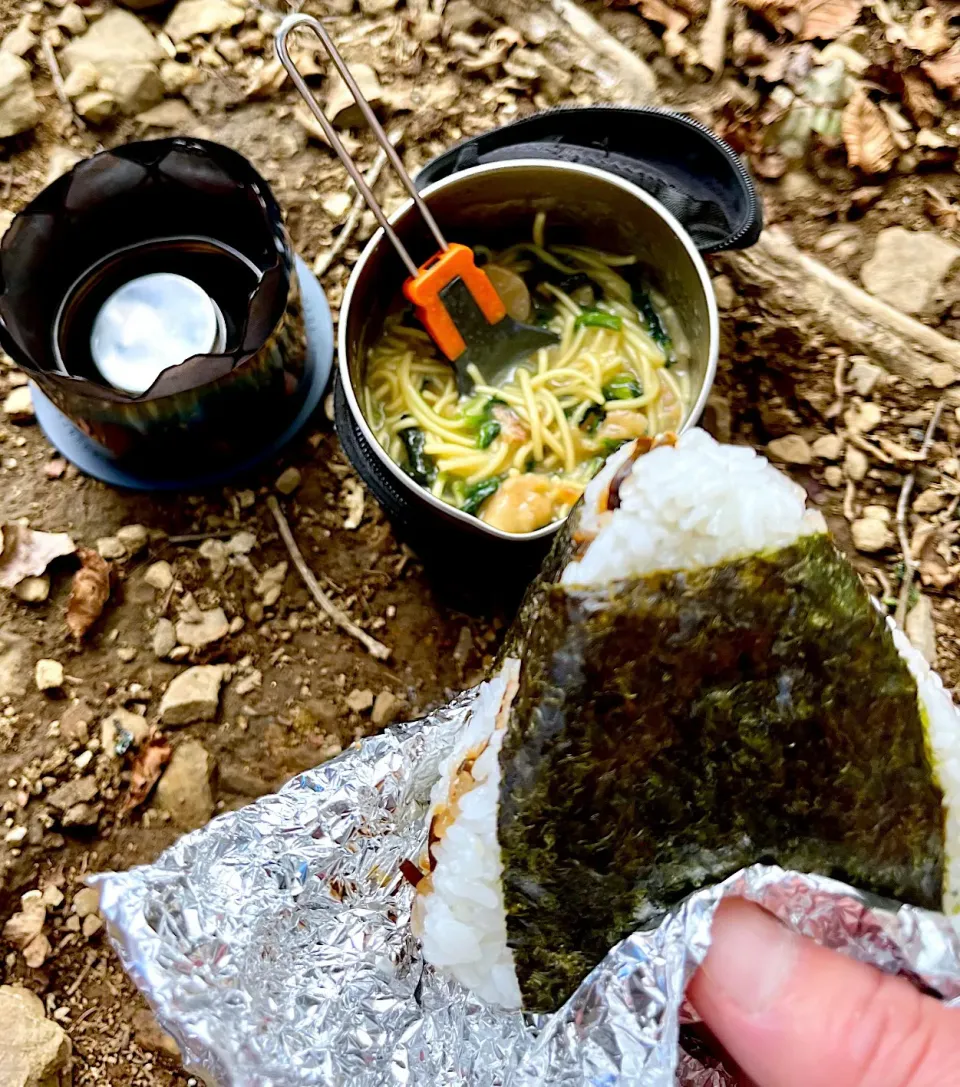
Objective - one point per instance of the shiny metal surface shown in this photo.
(151, 323)
(275, 946)
(496, 204)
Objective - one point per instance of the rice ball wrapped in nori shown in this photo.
(705, 684)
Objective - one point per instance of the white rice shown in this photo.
(462, 920)
(942, 722)
(687, 506)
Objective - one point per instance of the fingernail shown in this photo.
(752, 956)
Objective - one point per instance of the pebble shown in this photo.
(193, 695)
(855, 464)
(185, 791)
(340, 106)
(908, 267)
(91, 926)
(164, 638)
(133, 537)
(19, 108)
(921, 631)
(61, 160)
(121, 730)
(385, 708)
(18, 404)
(49, 675)
(942, 374)
(337, 205)
(928, 501)
(176, 76)
(111, 547)
(870, 534)
(270, 585)
(24, 927)
(86, 902)
(360, 700)
(192, 18)
(33, 590)
(202, 628)
(863, 419)
(241, 544)
(864, 375)
(37, 1050)
(113, 43)
(73, 793)
(216, 553)
(72, 19)
(791, 449)
(828, 447)
(833, 475)
(149, 1035)
(878, 513)
(21, 39)
(95, 106)
(159, 576)
(288, 480)
(136, 88)
(723, 289)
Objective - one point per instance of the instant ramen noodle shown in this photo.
(519, 454)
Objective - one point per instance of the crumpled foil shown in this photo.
(275, 946)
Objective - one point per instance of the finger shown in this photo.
(793, 1014)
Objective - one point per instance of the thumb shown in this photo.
(793, 1014)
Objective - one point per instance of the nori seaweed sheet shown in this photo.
(671, 729)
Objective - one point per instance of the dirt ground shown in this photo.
(295, 677)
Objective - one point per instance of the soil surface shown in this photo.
(298, 688)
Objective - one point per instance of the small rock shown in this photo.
(241, 544)
(855, 464)
(340, 106)
(49, 675)
(18, 405)
(19, 108)
(113, 43)
(133, 537)
(127, 653)
(86, 902)
(928, 501)
(15, 836)
(52, 896)
(91, 926)
(921, 631)
(75, 722)
(288, 480)
(95, 106)
(833, 475)
(864, 375)
(81, 815)
(21, 39)
(829, 447)
(33, 590)
(723, 289)
(360, 701)
(231, 50)
(111, 547)
(135, 88)
(175, 76)
(270, 585)
(79, 791)
(249, 683)
(83, 78)
(878, 513)
(254, 611)
(246, 499)
(149, 1035)
(791, 449)
(337, 205)
(159, 576)
(60, 160)
(191, 18)
(870, 535)
(863, 419)
(210, 627)
(72, 19)
(194, 695)
(216, 553)
(173, 113)
(908, 267)
(942, 374)
(164, 638)
(184, 791)
(121, 730)
(385, 708)
(36, 953)
(24, 927)
(72, 924)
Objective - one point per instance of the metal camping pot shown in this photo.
(495, 204)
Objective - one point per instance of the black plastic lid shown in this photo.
(696, 176)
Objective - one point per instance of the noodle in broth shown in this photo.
(519, 454)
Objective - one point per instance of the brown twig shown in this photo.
(909, 564)
(50, 59)
(324, 260)
(372, 646)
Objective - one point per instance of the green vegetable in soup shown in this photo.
(474, 496)
(420, 465)
(623, 386)
(592, 418)
(487, 432)
(598, 318)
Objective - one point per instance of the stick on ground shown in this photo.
(372, 646)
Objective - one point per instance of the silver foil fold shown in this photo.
(275, 946)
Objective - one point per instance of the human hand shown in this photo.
(793, 1014)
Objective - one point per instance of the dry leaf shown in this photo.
(26, 553)
(920, 99)
(146, 770)
(828, 19)
(867, 136)
(927, 32)
(945, 72)
(90, 592)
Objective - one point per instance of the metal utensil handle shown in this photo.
(292, 22)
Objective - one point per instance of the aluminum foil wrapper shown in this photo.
(275, 946)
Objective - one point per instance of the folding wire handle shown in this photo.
(292, 22)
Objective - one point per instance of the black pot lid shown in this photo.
(694, 174)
